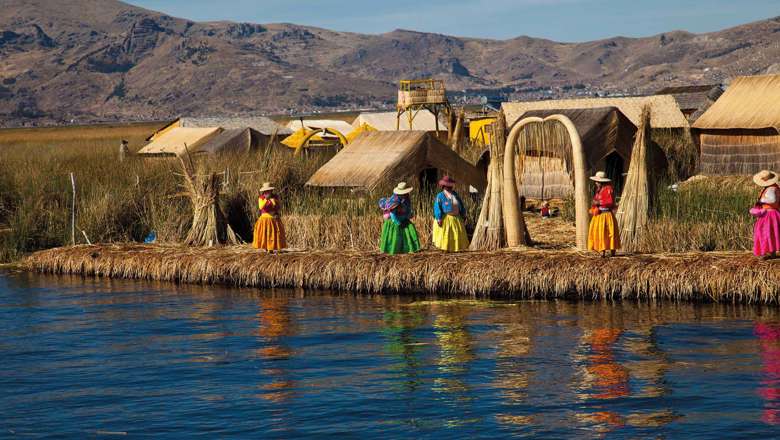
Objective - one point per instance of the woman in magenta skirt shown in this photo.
(766, 233)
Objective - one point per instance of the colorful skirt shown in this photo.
(603, 233)
(451, 235)
(269, 234)
(397, 239)
(766, 233)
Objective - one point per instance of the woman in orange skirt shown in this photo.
(269, 230)
(603, 232)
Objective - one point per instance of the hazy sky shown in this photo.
(562, 20)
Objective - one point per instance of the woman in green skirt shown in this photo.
(398, 233)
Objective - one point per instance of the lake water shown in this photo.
(84, 358)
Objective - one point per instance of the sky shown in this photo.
(560, 20)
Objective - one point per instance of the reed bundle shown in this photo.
(634, 212)
(209, 224)
(726, 277)
(489, 232)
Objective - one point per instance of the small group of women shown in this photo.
(399, 236)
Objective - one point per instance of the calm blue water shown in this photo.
(100, 359)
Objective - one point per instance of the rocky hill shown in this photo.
(89, 60)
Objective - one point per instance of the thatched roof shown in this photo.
(382, 158)
(342, 127)
(259, 124)
(602, 130)
(173, 141)
(665, 113)
(750, 102)
(694, 100)
(386, 121)
(232, 140)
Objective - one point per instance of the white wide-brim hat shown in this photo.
(601, 176)
(765, 178)
(266, 187)
(402, 189)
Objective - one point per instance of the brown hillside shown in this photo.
(103, 59)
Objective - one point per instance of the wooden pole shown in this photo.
(73, 211)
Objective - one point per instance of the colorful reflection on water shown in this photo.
(85, 357)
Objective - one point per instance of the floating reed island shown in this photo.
(511, 274)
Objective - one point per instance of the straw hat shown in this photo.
(402, 189)
(765, 178)
(267, 187)
(601, 176)
(447, 182)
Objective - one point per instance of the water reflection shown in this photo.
(400, 343)
(455, 348)
(769, 343)
(275, 323)
(103, 355)
(513, 341)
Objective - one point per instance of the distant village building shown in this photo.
(740, 133)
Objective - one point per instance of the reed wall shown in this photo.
(725, 277)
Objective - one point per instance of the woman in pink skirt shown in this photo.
(766, 233)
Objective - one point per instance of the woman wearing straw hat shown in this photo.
(766, 232)
(603, 233)
(449, 212)
(399, 235)
(269, 230)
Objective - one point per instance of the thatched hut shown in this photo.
(178, 140)
(664, 110)
(670, 128)
(263, 129)
(693, 100)
(234, 140)
(607, 137)
(740, 133)
(380, 159)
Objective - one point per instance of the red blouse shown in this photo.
(605, 198)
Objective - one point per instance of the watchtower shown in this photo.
(421, 94)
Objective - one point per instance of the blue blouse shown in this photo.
(400, 208)
(443, 206)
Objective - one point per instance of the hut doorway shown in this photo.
(429, 178)
(614, 166)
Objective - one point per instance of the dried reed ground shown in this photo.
(728, 277)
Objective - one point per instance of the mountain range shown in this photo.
(91, 60)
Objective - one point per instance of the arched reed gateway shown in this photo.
(740, 133)
(570, 154)
(545, 171)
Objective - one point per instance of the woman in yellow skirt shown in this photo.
(448, 212)
(603, 233)
(269, 230)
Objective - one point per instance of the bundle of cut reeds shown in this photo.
(209, 224)
(634, 211)
(489, 233)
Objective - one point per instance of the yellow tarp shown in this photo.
(362, 128)
(478, 130)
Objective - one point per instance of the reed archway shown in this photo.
(515, 226)
(304, 142)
